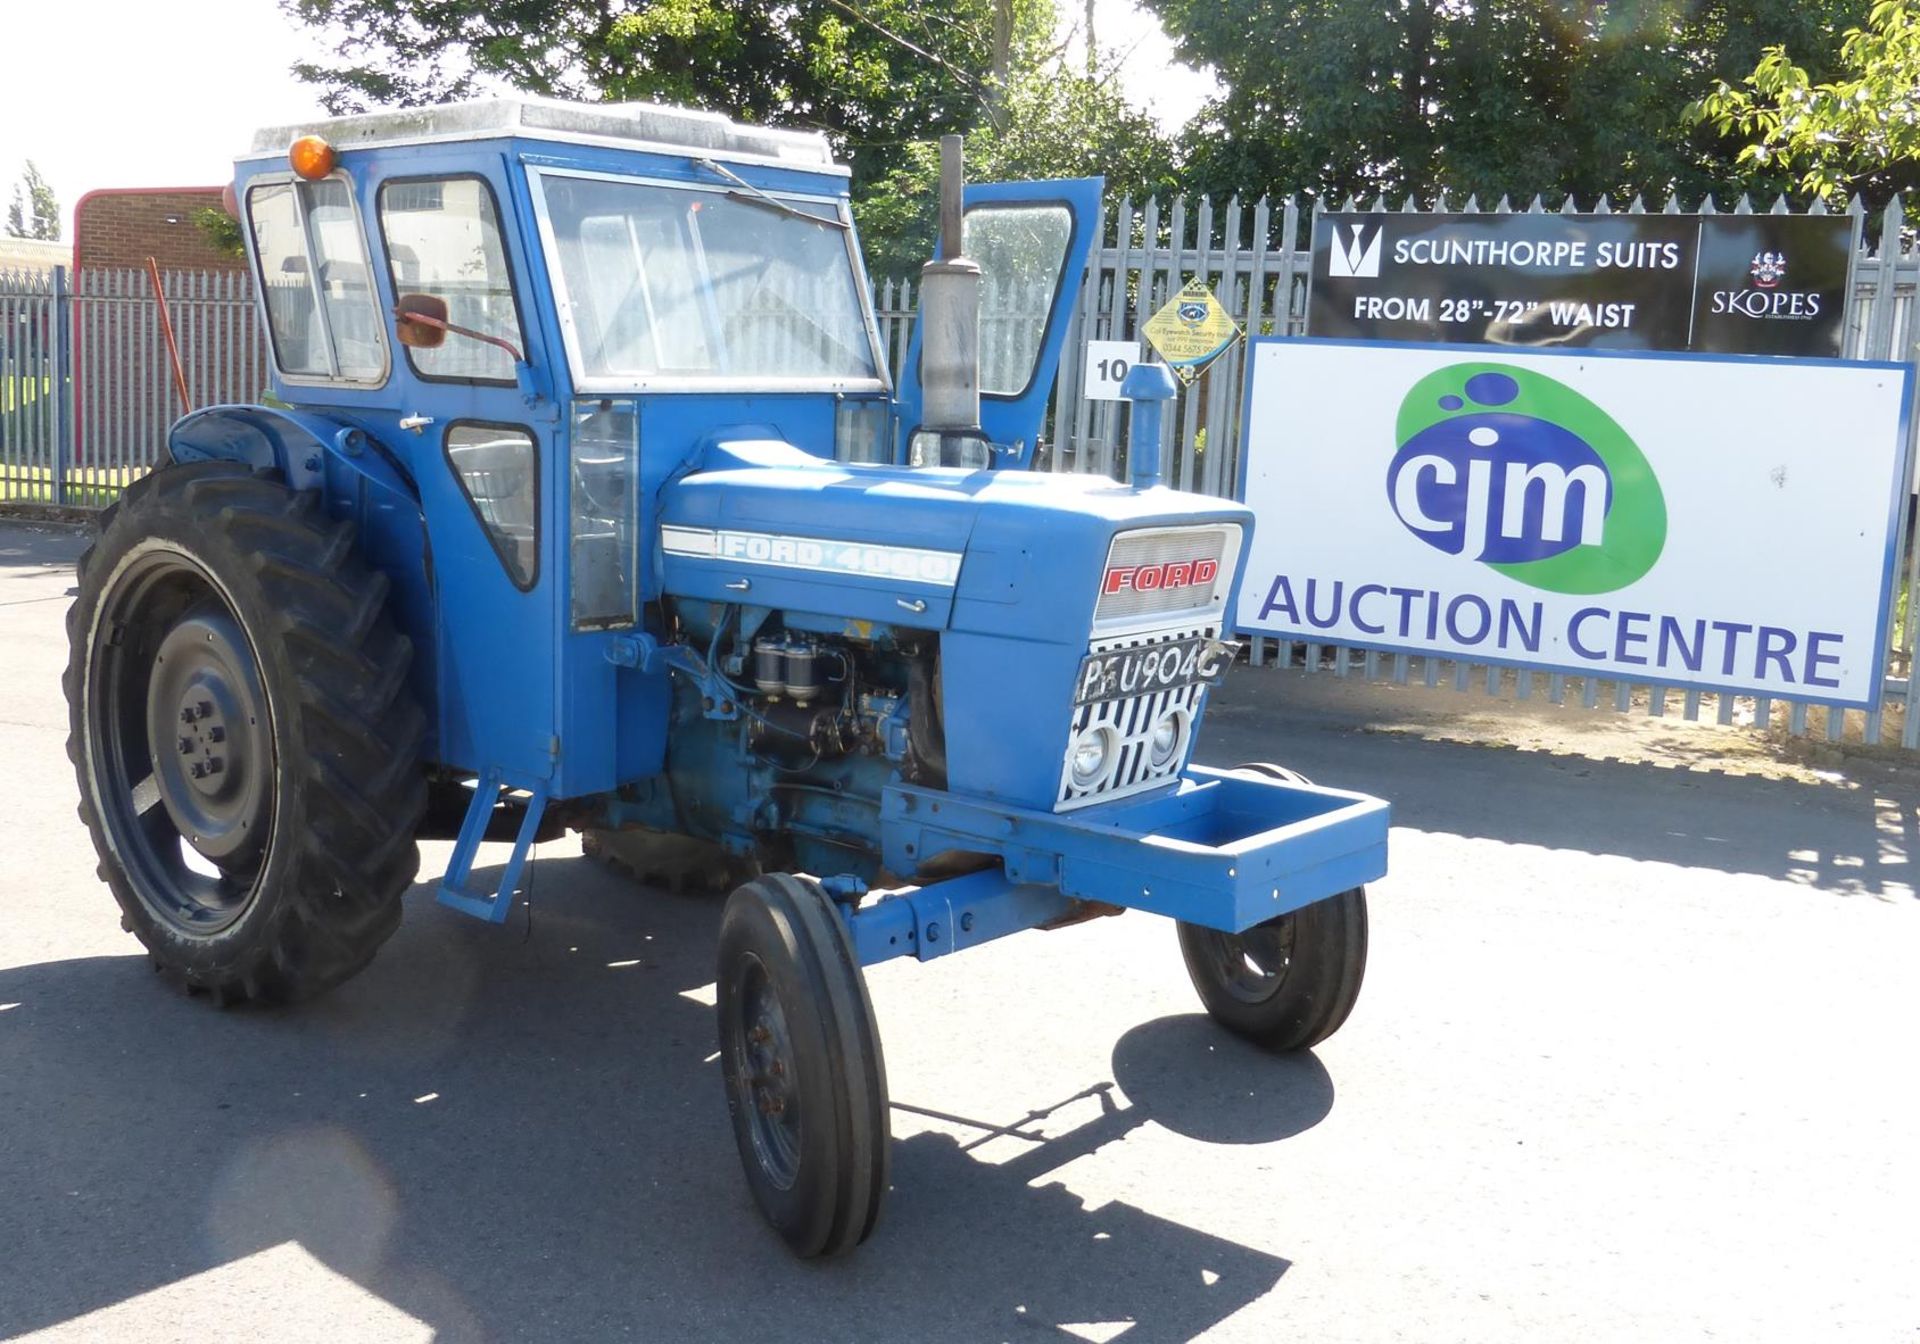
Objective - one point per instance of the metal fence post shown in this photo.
(60, 320)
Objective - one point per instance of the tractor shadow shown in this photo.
(514, 1133)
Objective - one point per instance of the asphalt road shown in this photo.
(1635, 1061)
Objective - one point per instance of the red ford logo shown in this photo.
(1153, 578)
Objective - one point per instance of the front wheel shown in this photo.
(806, 1083)
(1288, 983)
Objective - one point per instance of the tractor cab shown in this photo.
(543, 312)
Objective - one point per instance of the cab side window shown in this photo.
(443, 240)
(316, 279)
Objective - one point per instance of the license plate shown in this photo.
(1153, 667)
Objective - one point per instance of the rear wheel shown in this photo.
(246, 747)
(806, 1083)
(1290, 982)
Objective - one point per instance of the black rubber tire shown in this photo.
(324, 889)
(1312, 992)
(680, 863)
(1328, 960)
(1282, 773)
(781, 933)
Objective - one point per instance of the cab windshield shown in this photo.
(691, 285)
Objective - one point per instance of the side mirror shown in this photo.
(420, 320)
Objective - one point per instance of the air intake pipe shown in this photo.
(949, 433)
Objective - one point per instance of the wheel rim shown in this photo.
(181, 736)
(1252, 966)
(764, 1083)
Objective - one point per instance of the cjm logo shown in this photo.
(1505, 512)
(1508, 467)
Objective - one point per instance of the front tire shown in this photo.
(806, 1082)
(247, 750)
(1290, 982)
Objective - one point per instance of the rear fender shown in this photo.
(359, 480)
(294, 443)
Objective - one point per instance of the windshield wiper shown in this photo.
(752, 195)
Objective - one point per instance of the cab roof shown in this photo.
(650, 126)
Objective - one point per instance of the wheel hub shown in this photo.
(1252, 965)
(767, 1081)
(206, 723)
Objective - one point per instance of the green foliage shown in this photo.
(34, 212)
(1492, 97)
(873, 74)
(1858, 132)
(883, 78)
(1048, 122)
(221, 230)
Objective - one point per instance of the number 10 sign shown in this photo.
(1108, 363)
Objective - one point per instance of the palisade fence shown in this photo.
(86, 383)
(1257, 260)
(86, 396)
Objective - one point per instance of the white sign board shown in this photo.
(1108, 364)
(1688, 520)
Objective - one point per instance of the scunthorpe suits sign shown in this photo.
(1701, 521)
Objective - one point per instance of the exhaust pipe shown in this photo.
(949, 433)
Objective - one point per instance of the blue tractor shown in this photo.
(584, 499)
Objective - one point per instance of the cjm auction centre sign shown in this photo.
(1702, 521)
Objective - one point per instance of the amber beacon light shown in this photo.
(312, 157)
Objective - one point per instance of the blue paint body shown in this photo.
(655, 722)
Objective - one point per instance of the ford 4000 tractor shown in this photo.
(584, 499)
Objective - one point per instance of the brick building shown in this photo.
(120, 227)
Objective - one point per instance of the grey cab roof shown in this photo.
(631, 125)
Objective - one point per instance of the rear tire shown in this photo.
(680, 863)
(247, 749)
(806, 1083)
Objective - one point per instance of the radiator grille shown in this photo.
(1133, 720)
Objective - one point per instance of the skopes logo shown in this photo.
(1508, 467)
(1766, 301)
(1356, 249)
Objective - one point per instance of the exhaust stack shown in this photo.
(949, 433)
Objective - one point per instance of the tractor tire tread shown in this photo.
(349, 799)
(682, 864)
(833, 1207)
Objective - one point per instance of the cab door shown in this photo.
(1031, 241)
(477, 423)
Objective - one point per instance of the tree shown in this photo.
(875, 75)
(35, 211)
(1491, 97)
(883, 78)
(1052, 122)
(221, 231)
(1858, 132)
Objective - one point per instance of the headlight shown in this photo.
(1093, 756)
(1168, 740)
